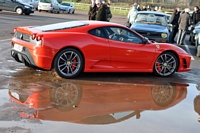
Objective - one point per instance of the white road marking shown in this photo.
(5, 40)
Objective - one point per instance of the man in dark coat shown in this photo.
(196, 15)
(101, 11)
(92, 10)
(174, 21)
(184, 22)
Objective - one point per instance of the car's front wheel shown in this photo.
(19, 11)
(166, 64)
(68, 63)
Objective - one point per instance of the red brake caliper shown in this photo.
(73, 66)
(158, 67)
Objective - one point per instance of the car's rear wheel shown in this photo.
(73, 12)
(68, 63)
(19, 11)
(69, 11)
(166, 64)
(39, 10)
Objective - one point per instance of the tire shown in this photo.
(68, 63)
(27, 13)
(66, 97)
(19, 11)
(69, 12)
(166, 64)
(39, 10)
(163, 95)
(73, 12)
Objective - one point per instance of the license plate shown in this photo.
(18, 47)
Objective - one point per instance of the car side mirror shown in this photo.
(145, 40)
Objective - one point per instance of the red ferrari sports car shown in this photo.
(94, 46)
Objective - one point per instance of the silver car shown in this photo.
(49, 5)
(67, 7)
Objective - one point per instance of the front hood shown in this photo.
(196, 30)
(168, 46)
(27, 4)
(149, 28)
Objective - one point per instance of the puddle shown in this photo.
(102, 106)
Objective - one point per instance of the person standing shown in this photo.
(156, 8)
(132, 14)
(160, 9)
(148, 8)
(92, 10)
(138, 7)
(174, 21)
(101, 11)
(184, 22)
(144, 8)
(196, 15)
(109, 14)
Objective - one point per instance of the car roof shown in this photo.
(72, 24)
(153, 12)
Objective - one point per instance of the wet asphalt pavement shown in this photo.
(34, 101)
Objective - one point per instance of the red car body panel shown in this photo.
(99, 54)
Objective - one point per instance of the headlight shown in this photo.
(26, 6)
(164, 35)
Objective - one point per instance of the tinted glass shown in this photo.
(122, 34)
(97, 32)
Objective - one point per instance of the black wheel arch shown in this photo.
(52, 63)
(173, 52)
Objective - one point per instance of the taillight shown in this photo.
(51, 5)
(33, 36)
(14, 30)
(39, 37)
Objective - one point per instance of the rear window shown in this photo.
(45, 1)
(59, 26)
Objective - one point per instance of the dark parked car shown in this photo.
(152, 25)
(16, 6)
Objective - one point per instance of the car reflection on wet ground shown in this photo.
(75, 106)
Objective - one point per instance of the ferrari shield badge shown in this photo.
(157, 46)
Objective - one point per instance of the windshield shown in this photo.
(150, 18)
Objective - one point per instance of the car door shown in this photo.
(127, 50)
(98, 50)
(9, 5)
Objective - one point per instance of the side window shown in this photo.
(122, 34)
(97, 32)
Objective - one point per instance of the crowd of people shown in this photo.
(100, 11)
